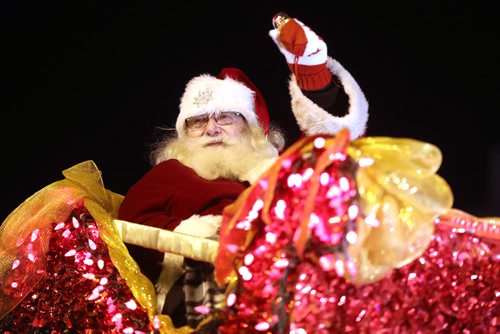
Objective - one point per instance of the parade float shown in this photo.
(338, 236)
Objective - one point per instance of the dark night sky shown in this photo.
(90, 80)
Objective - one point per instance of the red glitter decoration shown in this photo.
(80, 291)
(453, 287)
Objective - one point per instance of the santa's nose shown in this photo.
(212, 128)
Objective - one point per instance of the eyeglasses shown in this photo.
(196, 123)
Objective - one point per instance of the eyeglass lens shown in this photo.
(221, 118)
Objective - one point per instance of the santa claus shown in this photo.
(224, 140)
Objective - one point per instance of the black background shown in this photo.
(90, 80)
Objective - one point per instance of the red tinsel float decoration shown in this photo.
(287, 265)
(79, 291)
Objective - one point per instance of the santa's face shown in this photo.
(217, 146)
(221, 147)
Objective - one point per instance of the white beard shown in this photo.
(235, 160)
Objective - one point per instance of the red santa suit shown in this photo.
(169, 194)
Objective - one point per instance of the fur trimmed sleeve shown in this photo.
(314, 120)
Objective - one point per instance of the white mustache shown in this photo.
(219, 139)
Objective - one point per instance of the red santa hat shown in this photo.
(231, 90)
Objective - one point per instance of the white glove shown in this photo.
(200, 226)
